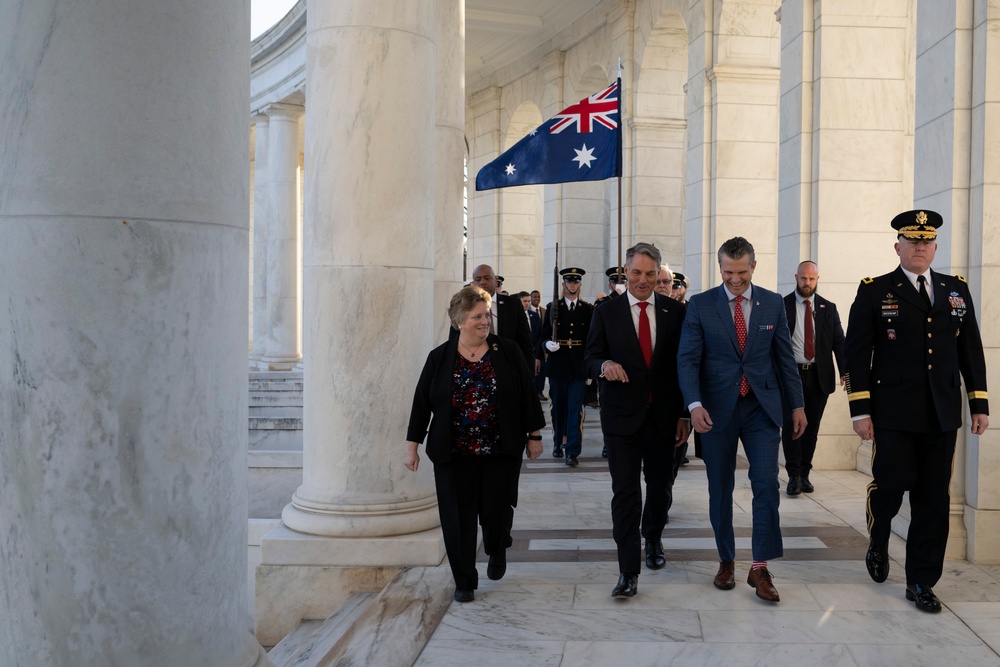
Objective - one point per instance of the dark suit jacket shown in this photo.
(904, 361)
(512, 325)
(710, 364)
(535, 322)
(518, 409)
(829, 338)
(613, 336)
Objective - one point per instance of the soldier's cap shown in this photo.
(499, 280)
(615, 274)
(918, 225)
(572, 274)
(681, 279)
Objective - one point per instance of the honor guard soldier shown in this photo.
(909, 335)
(616, 284)
(564, 364)
(680, 287)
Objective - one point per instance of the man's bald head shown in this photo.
(484, 277)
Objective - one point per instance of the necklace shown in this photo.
(472, 353)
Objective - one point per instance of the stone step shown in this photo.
(391, 628)
(276, 385)
(276, 411)
(277, 398)
(312, 641)
(275, 439)
(272, 478)
(275, 423)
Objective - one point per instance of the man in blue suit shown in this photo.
(735, 366)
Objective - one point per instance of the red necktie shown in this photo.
(809, 340)
(645, 337)
(741, 337)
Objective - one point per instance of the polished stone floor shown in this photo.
(554, 606)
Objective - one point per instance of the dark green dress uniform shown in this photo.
(567, 378)
(904, 363)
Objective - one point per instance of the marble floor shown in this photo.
(554, 606)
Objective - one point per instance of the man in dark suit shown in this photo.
(909, 335)
(632, 348)
(536, 307)
(564, 364)
(534, 319)
(508, 314)
(736, 368)
(817, 337)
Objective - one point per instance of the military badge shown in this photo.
(957, 304)
(891, 333)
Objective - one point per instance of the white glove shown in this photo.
(551, 345)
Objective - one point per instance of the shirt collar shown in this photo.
(746, 295)
(632, 300)
(913, 276)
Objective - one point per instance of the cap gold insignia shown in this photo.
(921, 218)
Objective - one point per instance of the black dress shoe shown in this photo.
(806, 485)
(877, 560)
(924, 597)
(794, 487)
(557, 452)
(462, 595)
(655, 558)
(572, 462)
(628, 585)
(497, 566)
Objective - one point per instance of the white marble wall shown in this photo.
(123, 278)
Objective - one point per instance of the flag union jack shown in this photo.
(580, 143)
(600, 108)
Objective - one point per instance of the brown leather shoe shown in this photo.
(760, 580)
(725, 580)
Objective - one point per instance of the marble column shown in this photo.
(449, 156)
(942, 130)
(982, 462)
(284, 309)
(359, 515)
(123, 277)
(260, 220)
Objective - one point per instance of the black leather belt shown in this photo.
(805, 367)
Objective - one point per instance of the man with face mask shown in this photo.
(736, 368)
(564, 364)
(909, 335)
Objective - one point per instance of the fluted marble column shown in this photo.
(369, 265)
(359, 515)
(123, 278)
(260, 220)
(283, 277)
(450, 151)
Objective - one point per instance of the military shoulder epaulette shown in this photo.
(585, 303)
(962, 278)
(868, 281)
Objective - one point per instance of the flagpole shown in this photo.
(621, 120)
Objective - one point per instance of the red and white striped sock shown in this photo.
(759, 565)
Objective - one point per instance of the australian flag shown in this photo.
(580, 143)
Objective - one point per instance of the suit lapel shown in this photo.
(726, 317)
(790, 314)
(756, 315)
(662, 307)
(628, 331)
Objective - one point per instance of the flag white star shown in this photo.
(584, 156)
(510, 169)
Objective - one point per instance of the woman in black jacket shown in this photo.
(482, 398)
